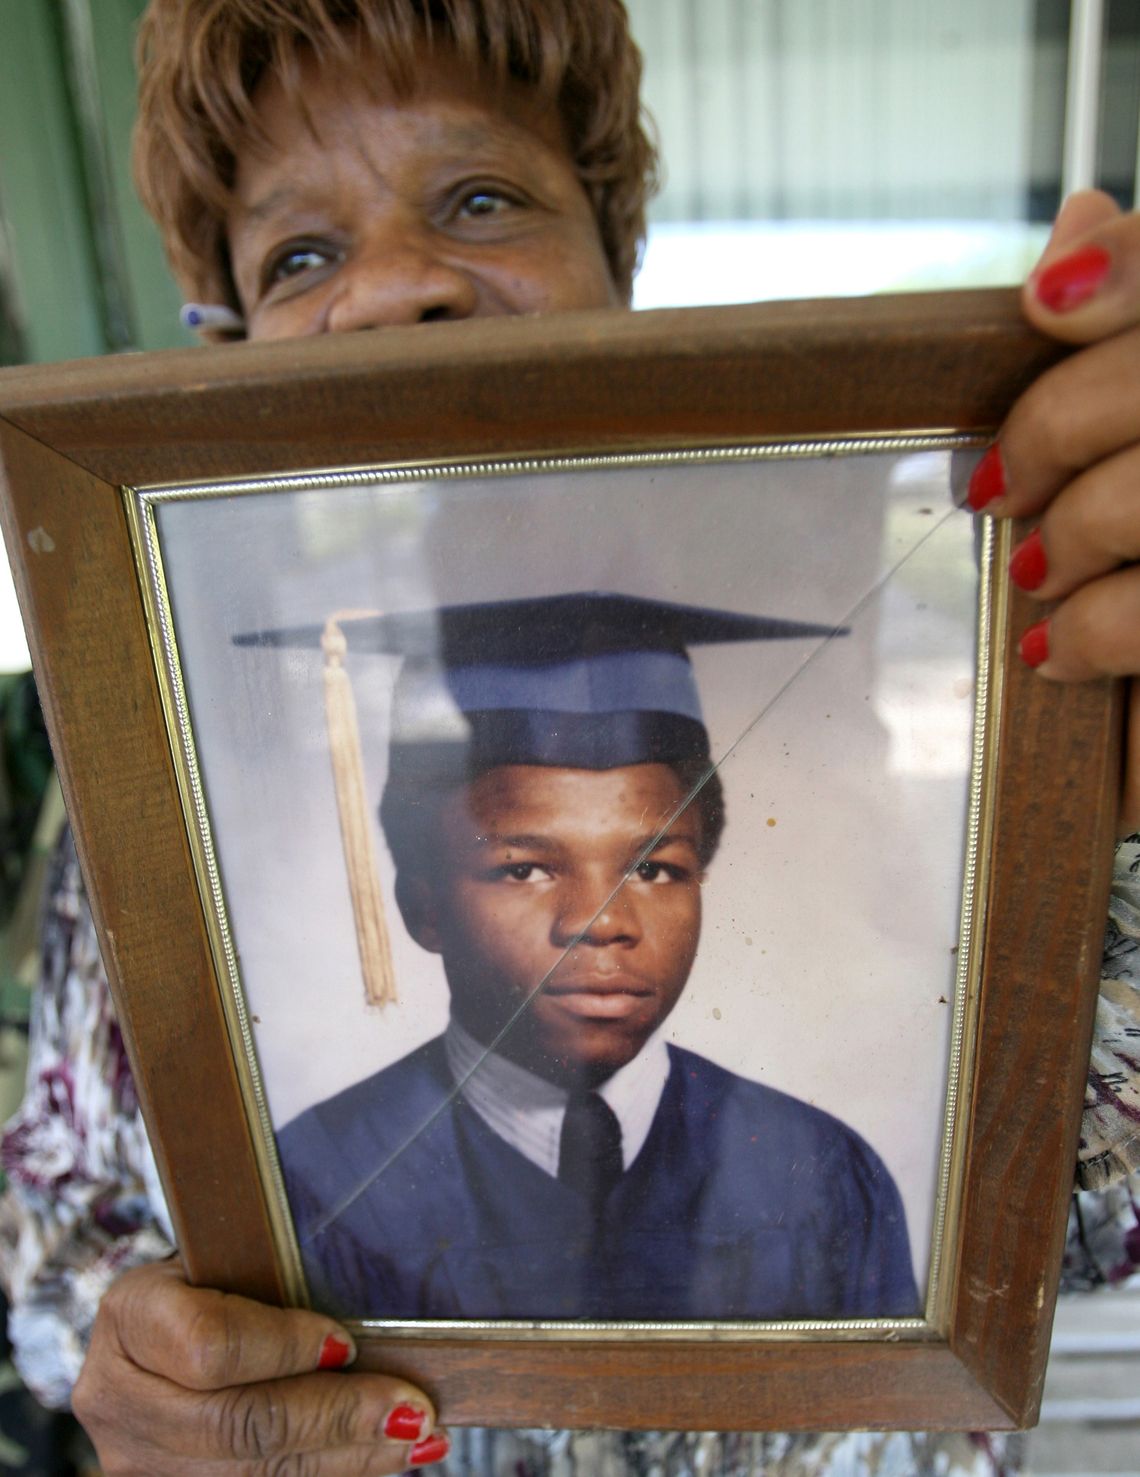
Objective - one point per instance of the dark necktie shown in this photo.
(589, 1154)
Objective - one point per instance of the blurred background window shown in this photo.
(820, 147)
(812, 148)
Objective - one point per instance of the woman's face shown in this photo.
(367, 209)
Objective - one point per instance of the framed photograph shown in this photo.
(590, 895)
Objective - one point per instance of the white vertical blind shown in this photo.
(841, 109)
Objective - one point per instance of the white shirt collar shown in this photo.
(527, 1111)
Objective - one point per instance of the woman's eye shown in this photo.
(480, 204)
(659, 872)
(522, 872)
(296, 260)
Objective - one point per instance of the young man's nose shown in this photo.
(399, 281)
(597, 916)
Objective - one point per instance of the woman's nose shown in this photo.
(399, 280)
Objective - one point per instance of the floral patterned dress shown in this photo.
(83, 1204)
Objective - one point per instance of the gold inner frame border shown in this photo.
(141, 505)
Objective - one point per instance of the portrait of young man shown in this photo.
(551, 840)
(562, 783)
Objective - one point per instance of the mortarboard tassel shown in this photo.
(355, 824)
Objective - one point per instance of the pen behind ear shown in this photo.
(210, 318)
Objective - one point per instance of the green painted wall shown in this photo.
(83, 271)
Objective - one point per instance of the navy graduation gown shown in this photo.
(743, 1203)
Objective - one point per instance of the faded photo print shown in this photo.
(591, 841)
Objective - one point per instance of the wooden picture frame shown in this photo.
(73, 436)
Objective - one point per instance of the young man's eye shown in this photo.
(661, 872)
(522, 872)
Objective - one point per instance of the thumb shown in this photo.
(1083, 287)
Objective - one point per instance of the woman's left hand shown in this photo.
(1068, 457)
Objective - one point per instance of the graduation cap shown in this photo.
(579, 681)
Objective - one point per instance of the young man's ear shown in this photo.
(417, 903)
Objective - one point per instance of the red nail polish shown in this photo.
(405, 1423)
(1028, 565)
(335, 1353)
(988, 481)
(1034, 645)
(1066, 284)
(431, 1449)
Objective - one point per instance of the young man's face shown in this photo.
(368, 210)
(533, 889)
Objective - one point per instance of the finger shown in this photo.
(1076, 414)
(364, 1461)
(358, 1461)
(361, 1461)
(164, 1428)
(205, 1340)
(1091, 527)
(1087, 284)
(309, 1413)
(1094, 633)
(174, 1362)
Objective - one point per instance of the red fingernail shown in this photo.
(1066, 284)
(1034, 645)
(405, 1423)
(1028, 565)
(335, 1353)
(988, 481)
(431, 1449)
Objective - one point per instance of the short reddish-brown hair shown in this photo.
(200, 62)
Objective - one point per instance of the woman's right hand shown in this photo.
(183, 1380)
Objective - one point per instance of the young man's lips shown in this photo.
(596, 984)
(593, 997)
